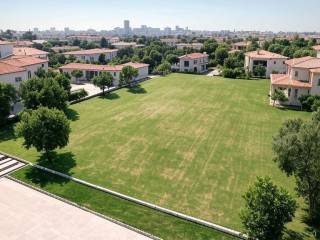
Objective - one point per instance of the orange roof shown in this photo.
(242, 44)
(136, 65)
(6, 43)
(26, 51)
(194, 56)
(285, 81)
(95, 67)
(91, 51)
(262, 54)
(311, 63)
(24, 61)
(315, 70)
(295, 61)
(7, 68)
(316, 47)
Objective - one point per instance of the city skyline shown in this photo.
(99, 15)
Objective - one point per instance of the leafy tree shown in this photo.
(164, 68)
(29, 36)
(61, 58)
(297, 152)
(102, 58)
(7, 97)
(46, 92)
(259, 71)
(276, 48)
(210, 46)
(303, 52)
(267, 209)
(40, 73)
(104, 80)
(127, 74)
(76, 42)
(103, 42)
(221, 54)
(278, 95)
(172, 58)
(77, 74)
(155, 56)
(64, 82)
(45, 129)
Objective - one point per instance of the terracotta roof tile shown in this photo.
(317, 48)
(95, 67)
(26, 51)
(7, 68)
(295, 61)
(91, 51)
(194, 56)
(285, 81)
(24, 61)
(262, 54)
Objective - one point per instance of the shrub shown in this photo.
(77, 95)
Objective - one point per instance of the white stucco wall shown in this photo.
(34, 68)
(198, 63)
(94, 57)
(11, 78)
(5, 50)
(300, 74)
(273, 65)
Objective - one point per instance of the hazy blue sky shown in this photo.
(286, 15)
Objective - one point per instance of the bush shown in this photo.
(309, 103)
(74, 96)
(233, 73)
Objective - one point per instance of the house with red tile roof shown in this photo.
(6, 49)
(193, 62)
(92, 70)
(92, 55)
(14, 70)
(317, 48)
(273, 62)
(302, 77)
(30, 52)
(240, 46)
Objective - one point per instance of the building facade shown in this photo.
(195, 46)
(6, 49)
(29, 52)
(194, 62)
(92, 70)
(317, 48)
(274, 63)
(302, 77)
(92, 55)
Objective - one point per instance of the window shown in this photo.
(308, 91)
(319, 82)
(296, 93)
(186, 63)
(18, 79)
(195, 62)
(289, 92)
(29, 74)
(296, 73)
(274, 62)
(42, 65)
(91, 59)
(114, 74)
(83, 57)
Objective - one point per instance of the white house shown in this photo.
(30, 52)
(196, 46)
(240, 46)
(121, 45)
(15, 70)
(274, 63)
(6, 49)
(171, 42)
(92, 70)
(301, 78)
(194, 62)
(317, 48)
(92, 55)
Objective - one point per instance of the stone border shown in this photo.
(182, 216)
(83, 208)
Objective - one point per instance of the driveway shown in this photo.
(27, 214)
(89, 87)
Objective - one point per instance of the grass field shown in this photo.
(186, 142)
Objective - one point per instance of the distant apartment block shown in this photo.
(6, 49)
(92, 55)
(301, 78)
(171, 42)
(92, 70)
(195, 46)
(194, 62)
(271, 61)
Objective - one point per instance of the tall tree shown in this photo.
(102, 58)
(278, 95)
(45, 129)
(297, 152)
(45, 92)
(267, 209)
(103, 42)
(77, 74)
(7, 97)
(127, 74)
(103, 80)
(64, 81)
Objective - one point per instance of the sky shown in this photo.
(271, 15)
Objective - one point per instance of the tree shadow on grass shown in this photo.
(137, 89)
(7, 133)
(72, 114)
(110, 96)
(62, 162)
(313, 227)
(293, 235)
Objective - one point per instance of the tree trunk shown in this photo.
(47, 153)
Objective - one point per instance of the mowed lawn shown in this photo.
(186, 142)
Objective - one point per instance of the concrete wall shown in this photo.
(200, 64)
(5, 50)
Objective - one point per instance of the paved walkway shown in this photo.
(27, 214)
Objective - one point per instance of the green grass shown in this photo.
(148, 220)
(186, 142)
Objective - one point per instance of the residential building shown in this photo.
(30, 52)
(58, 49)
(317, 48)
(195, 46)
(14, 70)
(274, 63)
(241, 45)
(92, 70)
(171, 42)
(302, 77)
(23, 43)
(126, 27)
(6, 49)
(92, 55)
(194, 62)
(121, 45)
